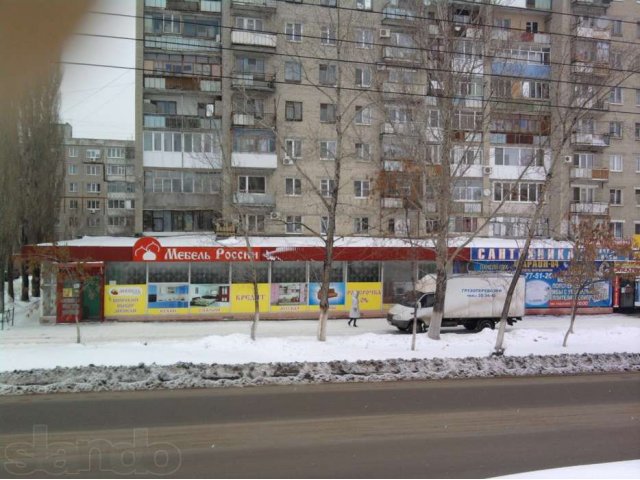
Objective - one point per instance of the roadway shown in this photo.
(452, 428)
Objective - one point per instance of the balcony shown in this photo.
(592, 104)
(466, 207)
(392, 202)
(598, 33)
(401, 128)
(594, 140)
(255, 39)
(267, 6)
(592, 3)
(252, 119)
(520, 37)
(254, 199)
(393, 90)
(400, 54)
(253, 80)
(180, 122)
(594, 208)
(517, 68)
(598, 174)
(598, 69)
(254, 160)
(393, 14)
(182, 44)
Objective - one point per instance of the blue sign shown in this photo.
(336, 293)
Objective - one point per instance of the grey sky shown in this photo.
(99, 102)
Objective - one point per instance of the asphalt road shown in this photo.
(454, 428)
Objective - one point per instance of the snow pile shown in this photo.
(628, 469)
(190, 375)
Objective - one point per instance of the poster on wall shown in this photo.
(121, 300)
(336, 293)
(208, 296)
(288, 294)
(543, 287)
(168, 296)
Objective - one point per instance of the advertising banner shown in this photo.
(242, 297)
(370, 295)
(123, 300)
(164, 298)
(336, 293)
(208, 298)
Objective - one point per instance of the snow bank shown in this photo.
(629, 469)
(190, 375)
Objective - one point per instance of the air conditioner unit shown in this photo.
(287, 161)
(385, 33)
(568, 159)
(93, 210)
(487, 170)
(274, 215)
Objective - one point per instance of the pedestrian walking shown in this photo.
(354, 313)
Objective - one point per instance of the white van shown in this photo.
(472, 300)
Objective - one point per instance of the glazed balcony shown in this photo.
(593, 208)
(254, 39)
(593, 140)
(264, 6)
(253, 119)
(597, 174)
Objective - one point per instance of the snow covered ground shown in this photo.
(630, 469)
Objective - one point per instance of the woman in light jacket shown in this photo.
(354, 313)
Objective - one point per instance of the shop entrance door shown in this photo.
(91, 301)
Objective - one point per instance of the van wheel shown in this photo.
(485, 323)
(470, 325)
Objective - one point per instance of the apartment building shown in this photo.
(101, 191)
(244, 108)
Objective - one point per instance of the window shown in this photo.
(467, 190)
(363, 4)
(121, 187)
(93, 153)
(532, 27)
(154, 82)
(73, 204)
(616, 28)
(328, 35)
(328, 149)
(637, 163)
(617, 229)
(616, 60)
(535, 89)
(72, 151)
(637, 195)
(251, 224)
(119, 221)
(467, 155)
(93, 187)
(93, 221)
(637, 130)
(361, 225)
(519, 157)
(206, 110)
(328, 74)
(463, 224)
(363, 115)
(73, 221)
(516, 192)
(615, 95)
(72, 169)
(171, 23)
(364, 38)
(73, 187)
(324, 225)
(637, 97)
(328, 3)
(615, 196)
(615, 129)
(327, 113)
(363, 151)
(292, 71)
(152, 141)
(583, 160)
(93, 205)
(92, 169)
(327, 186)
(247, 184)
(293, 148)
(293, 32)
(292, 187)
(246, 23)
(293, 111)
(115, 204)
(361, 188)
(293, 224)
(363, 76)
(119, 170)
(615, 163)
(584, 194)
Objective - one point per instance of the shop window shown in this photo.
(217, 272)
(363, 272)
(288, 272)
(242, 272)
(167, 272)
(126, 273)
(315, 272)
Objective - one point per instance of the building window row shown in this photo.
(181, 142)
(173, 181)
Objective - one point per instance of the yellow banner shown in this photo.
(370, 295)
(242, 299)
(122, 300)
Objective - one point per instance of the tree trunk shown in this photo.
(78, 339)
(10, 288)
(2, 289)
(435, 324)
(24, 295)
(35, 281)
(256, 306)
(574, 309)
